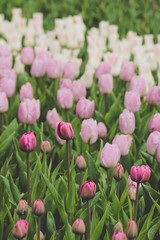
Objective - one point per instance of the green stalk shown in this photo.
(136, 203)
(80, 181)
(28, 180)
(39, 226)
(68, 161)
(88, 220)
(117, 191)
(89, 148)
(1, 122)
(66, 115)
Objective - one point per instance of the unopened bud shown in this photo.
(21, 208)
(78, 227)
(81, 163)
(118, 172)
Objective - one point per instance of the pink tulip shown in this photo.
(8, 73)
(123, 142)
(27, 55)
(41, 236)
(38, 207)
(110, 155)
(127, 121)
(89, 131)
(103, 68)
(45, 57)
(127, 70)
(118, 172)
(27, 142)
(8, 85)
(65, 130)
(85, 108)
(153, 96)
(78, 227)
(29, 111)
(38, 67)
(20, 229)
(21, 208)
(119, 236)
(45, 146)
(69, 70)
(105, 83)
(3, 102)
(5, 63)
(87, 190)
(65, 83)
(154, 123)
(81, 163)
(102, 130)
(118, 227)
(78, 90)
(4, 52)
(53, 118)
(54, 69)
(59, 140)
(26, 91)
(131, 230)
(132, 101)
(65, 98)
(140, 174)
(152, 142)
(132, 192)
(138, 84)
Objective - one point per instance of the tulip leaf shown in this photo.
(153, 230)
(51, 226)
(14, 190)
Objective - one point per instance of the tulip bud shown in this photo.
(102, 130)
(78, 227)
(127, 121)
(119, 236)
(45, 146)
(20, 229)
(89, 131)
(123, 142)
(118, 172)
(87, 190)
(81, 163)
(27, 55)
(41, 236)
(132, 101)
(38, 67)
(65, 98)
(110, 155)
(38, 207)
(131, 230)
(21, 208)
(118, 227)
(85, 108)
(140, 174)
(27, 142)
(54, 69)
(132, 192)
(138, 84)
(105, 83)
(26, 91)
(127, 70)
(65, 130)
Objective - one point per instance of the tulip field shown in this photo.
(79, 127)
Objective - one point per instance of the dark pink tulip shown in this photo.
(38, 207)
(20, 229)
(127, 121)
(132, 101)
(152, 142)
(105, 83)
(154, 123)
(52, 118)
(123, 142)
(85, 108)
(45, 146)
(87, 190)
(131, 230)
(78, 90)
(110, 155)
(38, 67)
(27, 142)
(103, 68)
(153, 96)
(138, 84)
(26, 91)
(27, 55)
(102, 130)
(78, 227)
(140, 174)
(59, 140)
(65, 98)
(127, 70)
(65, 130)
(3, 102)
(89, 131)
(53, 68)
(69, 70)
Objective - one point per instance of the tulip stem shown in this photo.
(28, 180)
(117, 191)
(136, 203)
(66, 115)
(88, 220)
(80, 181)
(68, 161)
(37, 86)
(39, 226)
(77, 237)
(1, 122)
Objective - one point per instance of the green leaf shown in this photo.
(51, 226)
(14, 190)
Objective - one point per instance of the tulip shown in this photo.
(127, 70)
(131, 230)
(29, 111)
(45, 146)
(41, 236)
(154, 123)
(38, 68)
(153, 96)
(4, 51)
(105, 83)
(38, 207)
(78, 90)
(152, 142)
(26, 91)
(65, 130)
(61, 141)
(8, 84)
(27, 55)
(132, 192)
(103, 68)
(81, 163)
(118, 172)
(102, 130)
(123, 142)
(65, 98)
(119, 236)
(132, 101)
(110, 155)
(140, 174)
(27, 142)
(53, 69)
(3, 102)
(118, 227)
(20, 229)
(65, 83)
(69, 70)
(53, 118)
(78, 227)
(138, 84)
(21, 208)
(88, 190)
(89, 131)
(127, 121)
(85, 108)
(5, 63)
